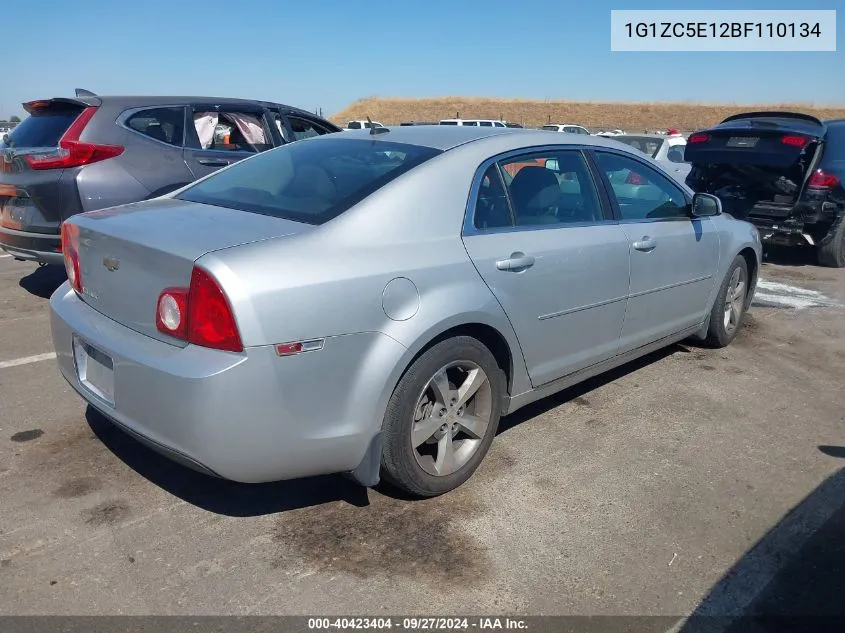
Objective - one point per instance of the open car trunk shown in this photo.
(757, 164)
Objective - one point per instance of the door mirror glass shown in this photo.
(704, 205)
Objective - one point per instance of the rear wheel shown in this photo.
(442, 417)
(831, 248)
(729, 307)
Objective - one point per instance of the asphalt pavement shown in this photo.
(692, 481)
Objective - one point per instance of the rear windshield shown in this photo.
(645, 144)
(309, 181)
(43, 128)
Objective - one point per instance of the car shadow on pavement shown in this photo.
(580, 390)
(793, 579)
(43, 281)
(219, 495)
(790, 256)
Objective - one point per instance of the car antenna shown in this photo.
(374, 129)
(81, 92)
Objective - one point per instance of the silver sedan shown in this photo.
(372, 303)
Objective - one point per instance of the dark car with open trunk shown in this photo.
(782, 171)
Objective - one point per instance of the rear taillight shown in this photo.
(634, 179)
(698, 138)
(70, 252)
(822, 180)
(795, 140)
(71, 151)
(200, 314)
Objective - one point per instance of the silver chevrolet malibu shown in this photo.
(372, 303)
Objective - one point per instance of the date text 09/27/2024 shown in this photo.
(416, 623)
(723, 29)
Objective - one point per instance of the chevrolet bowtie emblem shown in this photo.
(111, 263)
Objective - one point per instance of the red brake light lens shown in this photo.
(200, 314)
(698, 138)
(795, 140)
(822, 180)
(70, 252)
(71, 151)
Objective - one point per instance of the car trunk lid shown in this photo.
(129, 254)
(757, 163)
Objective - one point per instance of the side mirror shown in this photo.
(705, 205)
(551, 163)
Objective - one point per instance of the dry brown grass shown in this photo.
(628, 116)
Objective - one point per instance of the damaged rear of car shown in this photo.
(783, 172)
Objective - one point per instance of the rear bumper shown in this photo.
(37, 247)
(249, 417)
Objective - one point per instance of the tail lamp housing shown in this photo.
(70, 253)
(200, 314)
(71, 151)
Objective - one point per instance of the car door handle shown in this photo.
(516, 262)
(646, 244)
(213, 162)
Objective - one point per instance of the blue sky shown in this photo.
(328, 53)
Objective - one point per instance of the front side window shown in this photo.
(354, 125)
(162, 124)
(310, 182)
(303, 128)
(553, 188)
(231, 131)
(641, 192)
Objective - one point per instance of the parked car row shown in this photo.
(373, 302)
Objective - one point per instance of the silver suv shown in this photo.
(72, 155)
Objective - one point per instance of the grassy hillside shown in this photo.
(628, 116)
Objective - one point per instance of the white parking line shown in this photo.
(2, 256)
(780, 295)
(26, 360)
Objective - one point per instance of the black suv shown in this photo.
(72, 155)
(782, 171)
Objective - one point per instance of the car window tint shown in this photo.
(486, 123)
(640, 191)
(311, 181)
(162, 124)
(492, 209)
(552, 188)
(354, 125)
(232, 131)
(302, 128)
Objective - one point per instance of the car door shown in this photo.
(674, 256)
(542, 237)
(219, 135)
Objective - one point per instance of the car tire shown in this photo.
(428, 398)
(831, 249)
(729, 308)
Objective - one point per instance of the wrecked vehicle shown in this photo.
(781, 171)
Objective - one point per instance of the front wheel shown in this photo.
(729, 307)
(442, 417)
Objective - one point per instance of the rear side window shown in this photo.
(311, 182)
(161, 124)
(44, 128)
(231, 130)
